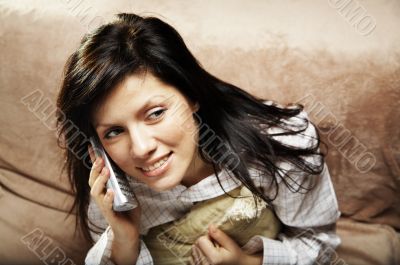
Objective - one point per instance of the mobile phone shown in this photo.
(124, 198)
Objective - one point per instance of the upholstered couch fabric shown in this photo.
(367, 244)
(288, 51)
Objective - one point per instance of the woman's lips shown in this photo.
(159, 171)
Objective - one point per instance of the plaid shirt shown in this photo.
(309, 218)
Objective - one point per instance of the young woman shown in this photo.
(183, 136)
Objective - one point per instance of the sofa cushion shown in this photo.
(367, 244)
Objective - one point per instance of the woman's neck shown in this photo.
(200, 170)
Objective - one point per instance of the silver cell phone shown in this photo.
(124, 198)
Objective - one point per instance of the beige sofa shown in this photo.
(346, 74)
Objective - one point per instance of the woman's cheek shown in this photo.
(184, 121)
(120, 153)
(171, 132)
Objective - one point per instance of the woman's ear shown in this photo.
(196, 107)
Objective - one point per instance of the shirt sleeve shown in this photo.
(308, 236)
(309, 218)
(100, 252)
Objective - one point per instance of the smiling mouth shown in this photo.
(158, 168)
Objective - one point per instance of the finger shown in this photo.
(95, 170)
(100, 183)
(108, 200)
(206, 247)
(221, 238)
(194, 256)
(204, 259)
(107, 203)
(198, 257)
(91, 153)
(117, 220)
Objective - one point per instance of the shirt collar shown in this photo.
(209, 187)
(205, 189)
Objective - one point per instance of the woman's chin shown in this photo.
(163, 185)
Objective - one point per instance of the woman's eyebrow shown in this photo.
(149, 102)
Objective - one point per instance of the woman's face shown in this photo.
(148, 130)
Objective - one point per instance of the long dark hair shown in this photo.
(132, 45)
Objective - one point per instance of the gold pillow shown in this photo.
(171, 243)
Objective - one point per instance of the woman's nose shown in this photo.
(142, 143)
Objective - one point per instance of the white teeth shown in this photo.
(156, 165)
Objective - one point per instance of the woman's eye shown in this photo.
(153, 116)
(112, 133)
(157, 114)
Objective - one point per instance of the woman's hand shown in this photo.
(218, 248)
(125, 225)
